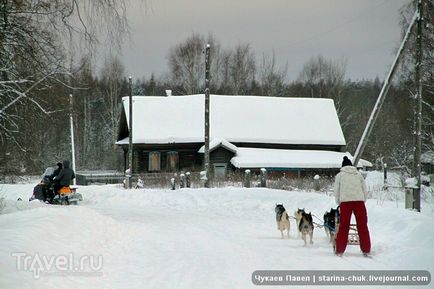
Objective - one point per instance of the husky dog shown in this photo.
(282, 219)
(306, 227)
(297, 215)
(330, 224)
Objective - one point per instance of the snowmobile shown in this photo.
(44, 191)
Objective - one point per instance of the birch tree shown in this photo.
(242, 69)
(187, 64)
(112, 85)
(326, 77)
(36, 39)
(272, 78)
(32, 42)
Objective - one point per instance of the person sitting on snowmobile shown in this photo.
(56, 173)
(57, 170)
(64, 178)
(40, 191)
(50, 183)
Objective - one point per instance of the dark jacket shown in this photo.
(57, 171)
(66, 175)
(55, 174)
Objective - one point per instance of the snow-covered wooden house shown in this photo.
(279, 134)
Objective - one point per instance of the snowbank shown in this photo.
(197, 238)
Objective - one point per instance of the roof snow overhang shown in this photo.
(302, 159)
(216, 143)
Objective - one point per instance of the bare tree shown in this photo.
(427, 72)
(242, 69)
(272, 78)
(326, 77)
(224, 72)
(35, 40)
(112, 78)
(31, 42)
(186, 65)
(232, 70)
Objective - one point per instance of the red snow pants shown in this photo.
(359, 210)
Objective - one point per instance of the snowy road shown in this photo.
(198, 238)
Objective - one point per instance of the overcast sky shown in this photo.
(366, 32)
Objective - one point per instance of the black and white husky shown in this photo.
(306, 227)
(282, 219)
(330, 224)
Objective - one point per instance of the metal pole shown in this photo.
(418, 128)
(207, 124)
(382, 96)
(385, 174)
(71, 122)
(130, 140)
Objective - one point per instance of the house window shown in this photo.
(172, 161)
(154, 161)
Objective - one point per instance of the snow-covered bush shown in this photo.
(306, 183)
(427, 193)
(234, 179)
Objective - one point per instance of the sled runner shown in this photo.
(353, 235)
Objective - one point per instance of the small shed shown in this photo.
(221, 152)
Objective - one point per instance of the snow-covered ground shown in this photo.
(190, 238)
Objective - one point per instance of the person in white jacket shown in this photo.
(350, 194)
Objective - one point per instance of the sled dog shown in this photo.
(282, 219)
(297, 215)
(330, 224)
(306, 227)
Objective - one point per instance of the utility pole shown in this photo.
(207, 124)
(387, 82)
(71, 122)
(130, 139)
(418, 109)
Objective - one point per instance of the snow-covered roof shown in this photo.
(277, 158)
(215, 143)
(248, 119)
